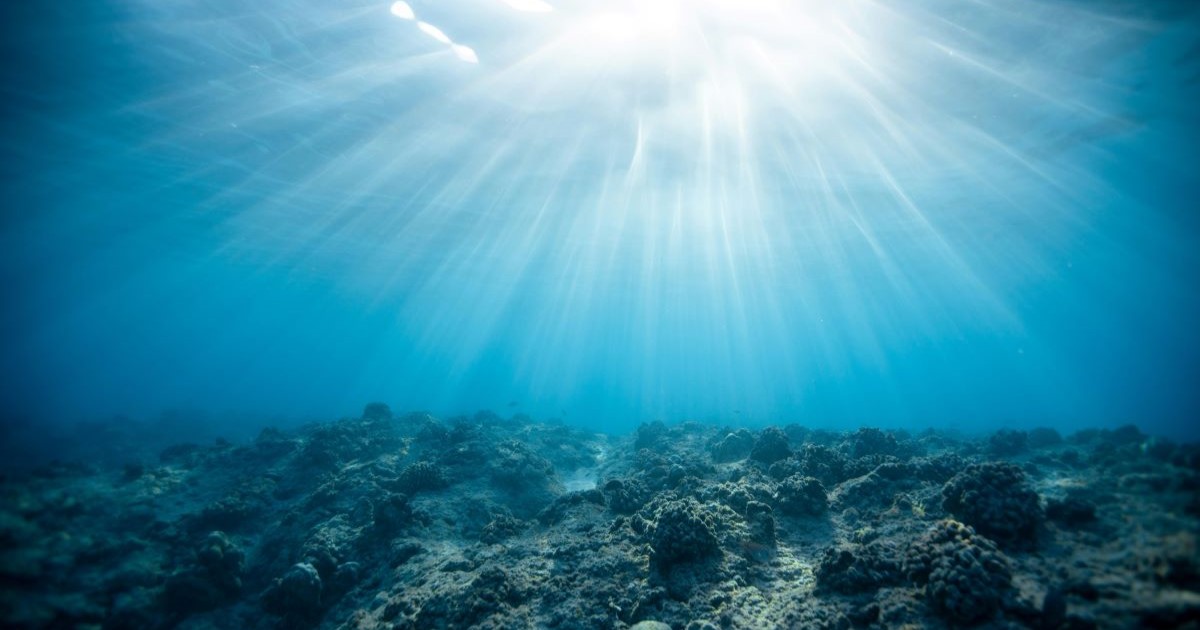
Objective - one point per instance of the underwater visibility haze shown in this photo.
(910, 214)
(582, 314)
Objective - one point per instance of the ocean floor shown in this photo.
(410, 521)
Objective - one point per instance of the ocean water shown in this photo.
(904, 214)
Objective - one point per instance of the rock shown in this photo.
(214, 579)
(133, 471)
(690, 531)
(391, 514)
(823, 463)
(421, 477)
(344, 578)
(625, 496)
(995, 499)
(681, 533)
(1071, 511)
(377, 411)
(1171, 610)
(785, 468)
(178, 453)
(734, 446)
(1124, 435)
(737, 495)
(231, 513)
(517, 469)
(403, 552)
(649, 435)
(297, 595)
(966, 577)
(937, 468)
(1175, 561)
(557, 511)
(488, 596)
(501, 528)
(801, 496)
(771, 446)
(853, 568)
(1054, 609)
(650, 625)
(1043, 437)
(223, 560)
(760, 519)
(1008, 443)
(866, 442)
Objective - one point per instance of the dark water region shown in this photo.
(486, 521)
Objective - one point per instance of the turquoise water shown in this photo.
(929, 213)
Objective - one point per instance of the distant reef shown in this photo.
(410, 521)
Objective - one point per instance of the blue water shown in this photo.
(908, 214)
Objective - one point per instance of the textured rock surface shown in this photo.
(995, 498)
(409, 521)
(966, 575)
(681, 532)
(801, 496)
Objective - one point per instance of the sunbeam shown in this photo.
(651, 199)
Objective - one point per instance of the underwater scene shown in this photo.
(613, 314)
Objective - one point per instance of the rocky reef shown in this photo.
(411, 521)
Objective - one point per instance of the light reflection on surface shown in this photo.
(403, 11)
(531, 6)
(433, 32)
(465, 53)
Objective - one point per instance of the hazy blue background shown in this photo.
(976, 214)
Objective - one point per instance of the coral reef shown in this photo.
(856, 568)
(680, 533)
(996, 500)
(410, 521)
(801, 496)
(966, 575)
(868, 441)
(733, 446)
(296, 596)
(1008, 443)
(771, 446)
(420, 477)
